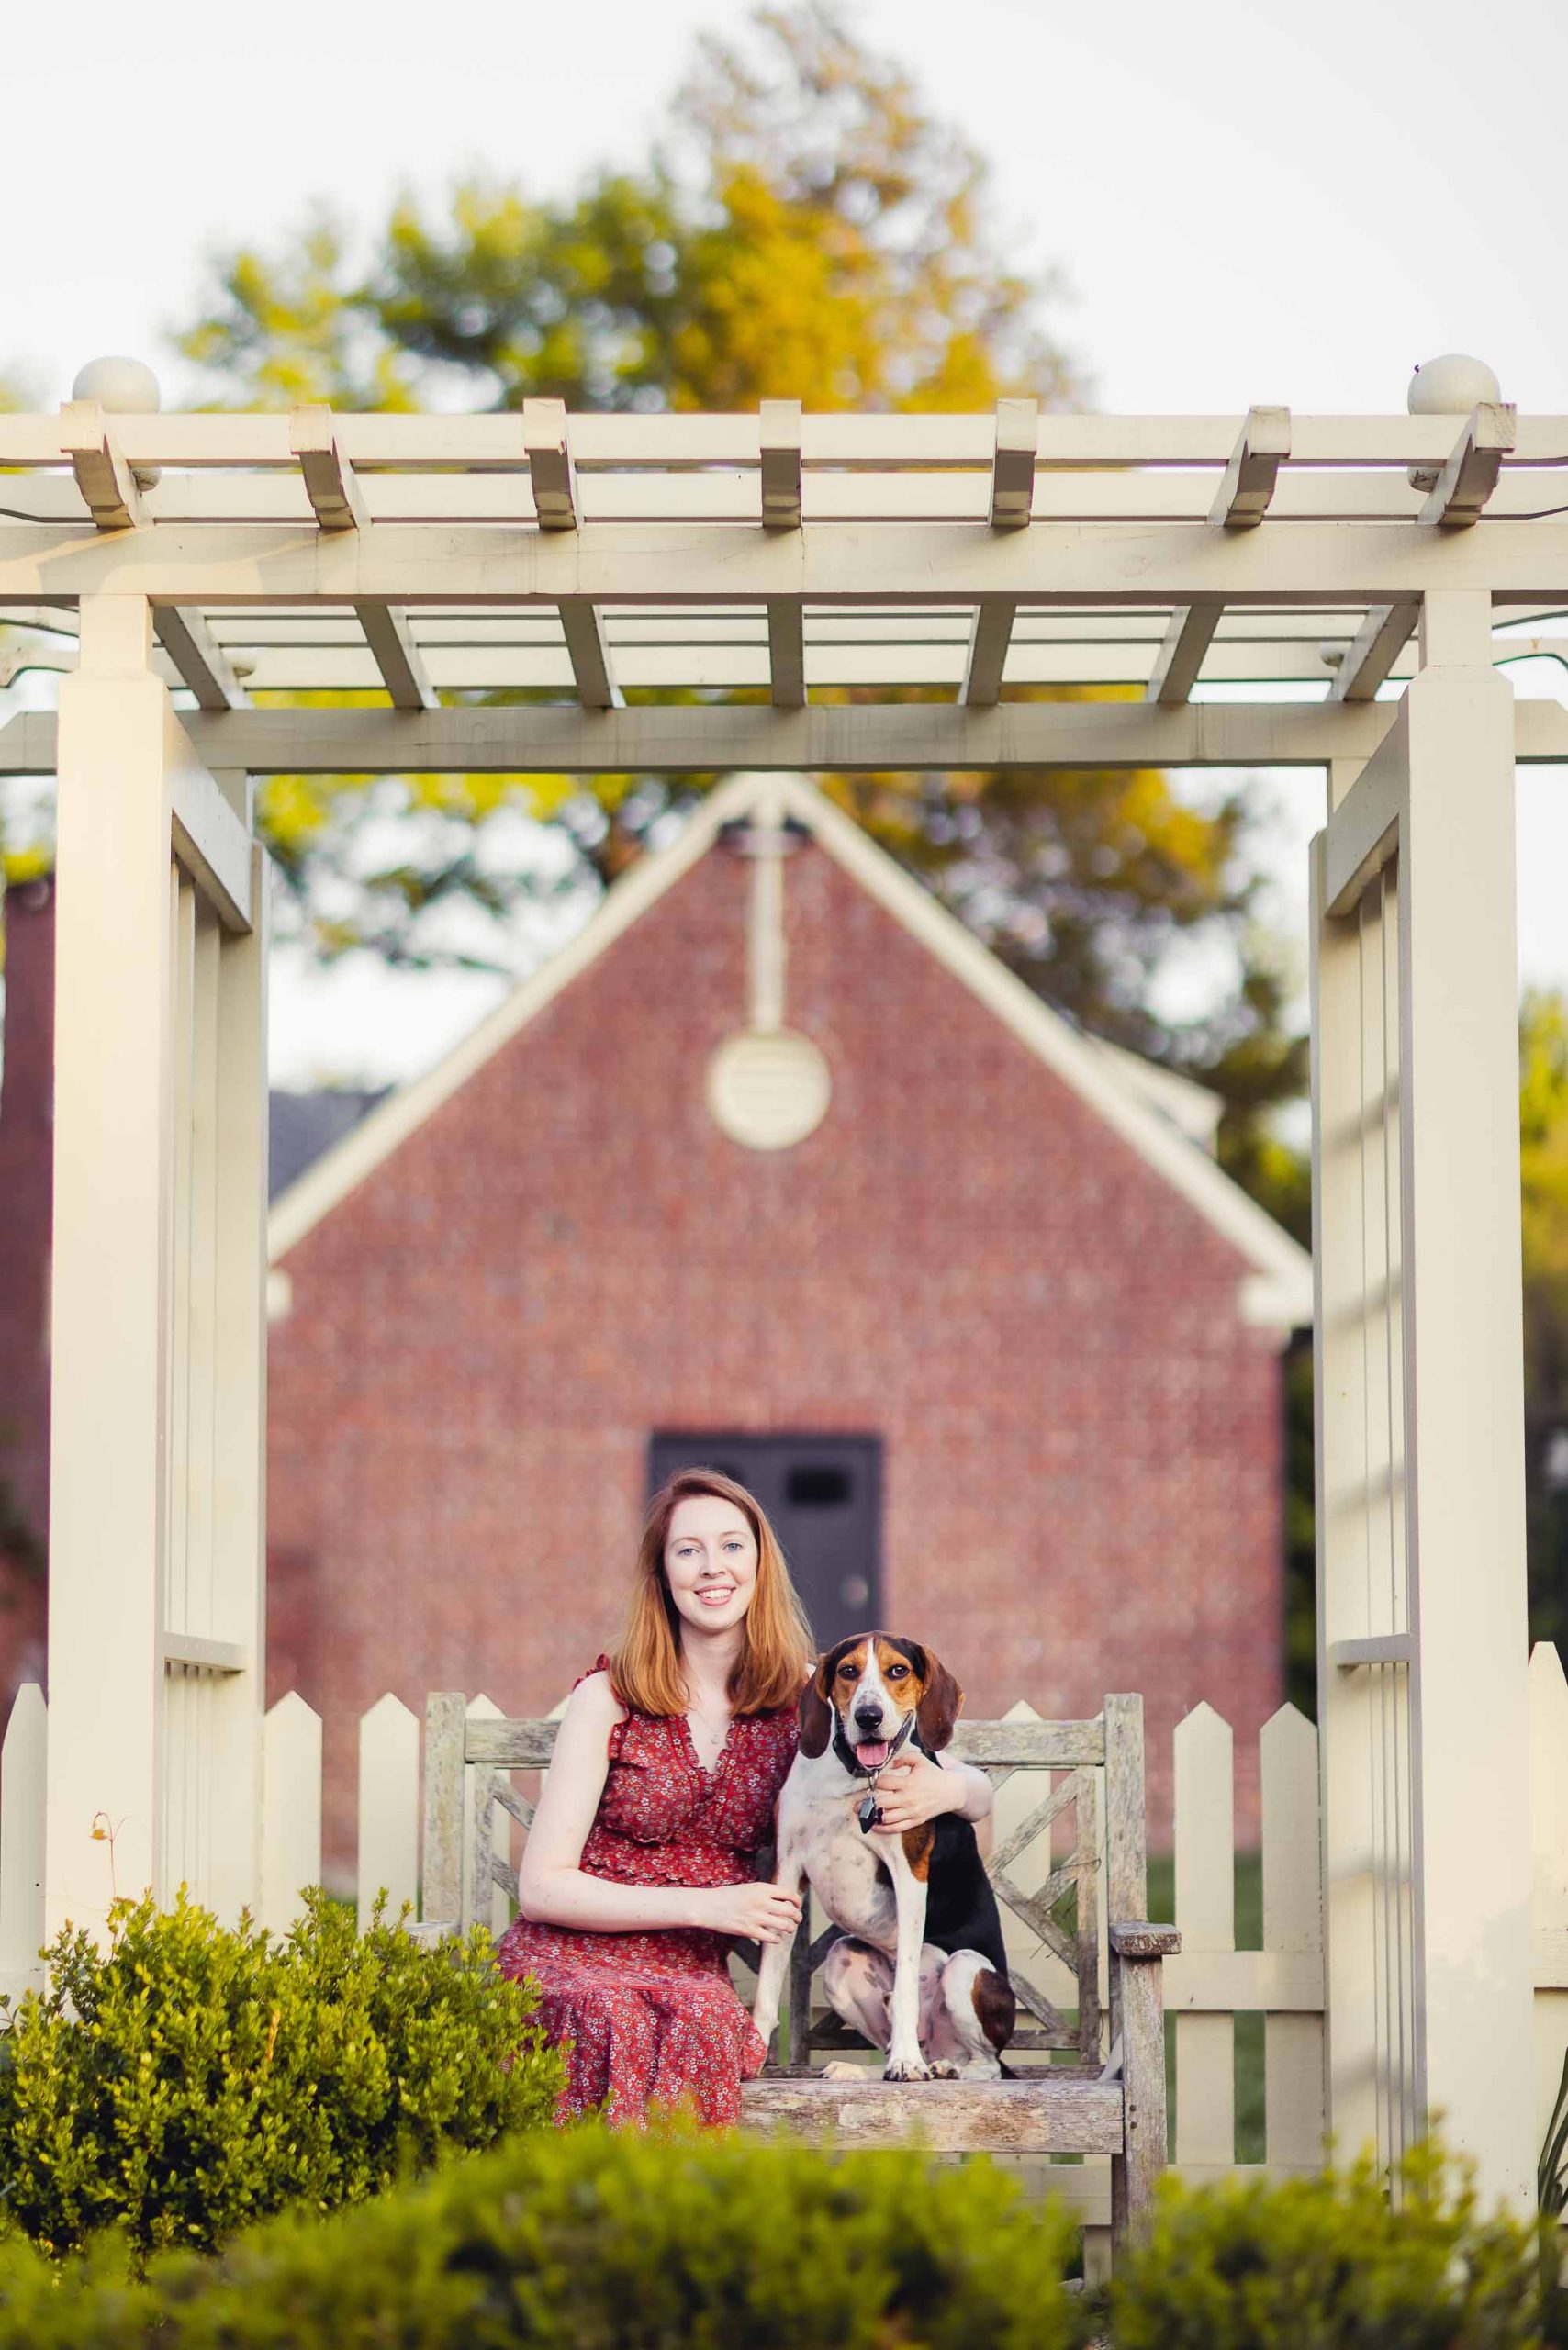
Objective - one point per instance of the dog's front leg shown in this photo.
(905, 2062)
(774, 1971)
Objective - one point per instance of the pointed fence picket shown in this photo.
(1549, 1886)
(388, 1808)
(1207, 1987)
(1292, 1938)
(1205, 1914)
(291, 1809)
(21, 1842)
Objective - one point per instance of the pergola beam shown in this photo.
(583, 629)
(203, 665)
(1180, 658)
(398, 657)
(897, 565)
(1247, 488)
(989, 637)
(1383, 637)
(1470, 475)
(916, 737)
(785, 654)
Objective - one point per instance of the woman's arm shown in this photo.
(915, 1789)
(555, 1889)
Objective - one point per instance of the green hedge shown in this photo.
(1328, 2262)
(588, 2239)
(191, 2079)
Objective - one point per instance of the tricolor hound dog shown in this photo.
(920, 1972)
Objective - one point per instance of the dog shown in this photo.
(921, 1971)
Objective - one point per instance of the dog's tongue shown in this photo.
(872, 1755)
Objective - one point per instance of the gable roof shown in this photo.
(1137, 1103)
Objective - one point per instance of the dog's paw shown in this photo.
(944, 2072)
(905, 2070)
(841, 2069)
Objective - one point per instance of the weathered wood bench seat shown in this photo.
(1090, 2082)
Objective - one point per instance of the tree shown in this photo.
(809, 228)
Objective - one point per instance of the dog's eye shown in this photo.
(849, 1673)
(898, 1672)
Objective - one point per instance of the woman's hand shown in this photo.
(753, 1913)
(913, 1790)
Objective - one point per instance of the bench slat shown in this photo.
(1056, 1746)
(1080, 2116)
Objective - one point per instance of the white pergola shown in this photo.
(595, 558)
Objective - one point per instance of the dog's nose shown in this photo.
(867, 1717)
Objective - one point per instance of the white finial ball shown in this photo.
(1451, 385)
(120, 386)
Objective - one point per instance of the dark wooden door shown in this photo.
(823, 1496)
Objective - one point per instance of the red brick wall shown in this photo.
(26, 1127)
(1081, 1440)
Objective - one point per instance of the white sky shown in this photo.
(1249, 202)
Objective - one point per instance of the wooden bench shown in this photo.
(1095, 2083)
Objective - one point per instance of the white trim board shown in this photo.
(1276, 1290)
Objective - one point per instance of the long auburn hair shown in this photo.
(646, 1671)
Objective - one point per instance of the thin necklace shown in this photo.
(719, 1732)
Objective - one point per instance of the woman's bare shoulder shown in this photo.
(593, 1701)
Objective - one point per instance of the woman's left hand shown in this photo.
(913, 1790)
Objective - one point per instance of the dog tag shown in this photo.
(869, 1815)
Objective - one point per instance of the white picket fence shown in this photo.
(1206, 1987)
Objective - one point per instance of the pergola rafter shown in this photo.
(757, 566)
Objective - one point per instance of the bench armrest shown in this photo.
(1138, 1938)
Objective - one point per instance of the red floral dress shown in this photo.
(652, 2018)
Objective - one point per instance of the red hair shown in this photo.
(646, 1671)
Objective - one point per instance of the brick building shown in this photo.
(996, 1339)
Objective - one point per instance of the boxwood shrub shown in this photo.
(190, 2079)
(590, 2239)
(1330, 2262)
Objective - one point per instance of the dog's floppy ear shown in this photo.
(940, 1706)
(816, 1714)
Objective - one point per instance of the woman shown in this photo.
(639, 1870)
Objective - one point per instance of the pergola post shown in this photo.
(1421, 1476)
(155, 1561)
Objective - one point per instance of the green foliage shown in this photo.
(807, 231)
(810, 228)
(193, 2077)
(605, 2242)
(1325, 2264)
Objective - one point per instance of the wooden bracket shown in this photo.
(1012, 466)
(550, 466)
(1467, 481)
(1250, 478)
(330, 484)
(102, 473)
(781, 438)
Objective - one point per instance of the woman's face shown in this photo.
(710, 1562)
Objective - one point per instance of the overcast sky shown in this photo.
(1250, 202)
